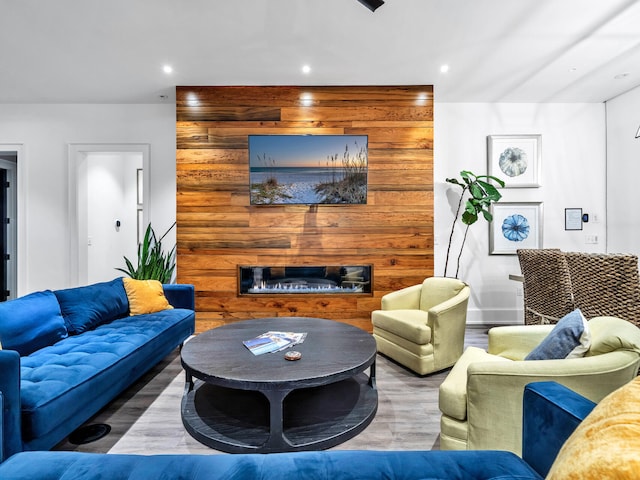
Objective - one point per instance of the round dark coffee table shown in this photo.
(264, 403)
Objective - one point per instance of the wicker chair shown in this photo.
(547, 285)
(605, 284)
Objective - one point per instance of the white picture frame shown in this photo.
(515, 159)
(507, 231)
(139, 186)
(141, 228)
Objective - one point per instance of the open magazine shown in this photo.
(273, 342)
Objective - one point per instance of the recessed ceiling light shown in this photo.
(306, 99)
(306, 69)
(192, 99)
(444, 68)
(167, 69)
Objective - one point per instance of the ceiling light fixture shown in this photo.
(444, 68)
(306, 99)
(192, 100)
(306, 69)
(167, 69)
(372, 4)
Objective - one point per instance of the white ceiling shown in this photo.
(97, 51)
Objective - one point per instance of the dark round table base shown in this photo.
(237, 421)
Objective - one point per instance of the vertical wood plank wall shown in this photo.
(217, 229)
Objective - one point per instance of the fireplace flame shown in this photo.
(263, 287)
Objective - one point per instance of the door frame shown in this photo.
(76, 152)
(18, 284)
(11, 168)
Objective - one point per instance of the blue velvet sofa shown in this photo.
(551, 413)
(67, 353)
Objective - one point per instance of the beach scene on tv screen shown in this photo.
(308, 169)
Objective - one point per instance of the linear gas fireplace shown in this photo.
(329, 279)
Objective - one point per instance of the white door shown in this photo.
(108, 208)
(112, 206)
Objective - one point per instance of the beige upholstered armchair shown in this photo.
(481, 398)
(422, 326)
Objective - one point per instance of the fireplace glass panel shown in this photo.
(329, 279)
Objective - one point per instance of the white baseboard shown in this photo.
(495, 317)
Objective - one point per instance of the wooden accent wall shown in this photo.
(217, 229)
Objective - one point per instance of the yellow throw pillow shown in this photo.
(607, 443)
(145, 296)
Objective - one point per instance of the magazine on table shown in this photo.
(273, 341)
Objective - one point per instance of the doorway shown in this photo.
(8, 225)
(109, 207)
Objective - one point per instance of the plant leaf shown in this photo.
(153, 263)
(469, 218)
(482, 194)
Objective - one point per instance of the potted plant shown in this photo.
(481, 195)
(153, 262)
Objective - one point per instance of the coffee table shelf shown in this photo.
(263, 404)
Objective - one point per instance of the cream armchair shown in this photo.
(422, 326)
(481, 398)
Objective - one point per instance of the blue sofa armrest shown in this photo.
(1, 428)
(551, 412)
(180, 295)
(11, 407)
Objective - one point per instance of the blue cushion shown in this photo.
(570, 338)
(84, 308)
(73, 379)
(180, 295)
(323, 465)
(31, 322)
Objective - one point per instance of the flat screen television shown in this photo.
(308, 169)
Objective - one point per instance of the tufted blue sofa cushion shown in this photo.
(83, 308)
(323, 465)
(86, 369)
(31, 322)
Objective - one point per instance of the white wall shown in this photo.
(623, 169)
(45, 131)
(573, 176)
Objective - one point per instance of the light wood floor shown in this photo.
(408, 416)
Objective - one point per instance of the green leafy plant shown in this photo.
(153, 262)
(481, 195)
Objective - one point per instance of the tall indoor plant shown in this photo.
(153, 262)
(481, 195)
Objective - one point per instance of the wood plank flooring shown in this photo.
(145, 419)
